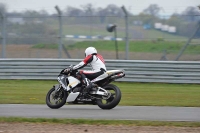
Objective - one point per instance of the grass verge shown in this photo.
(100, 122)
(134, 46)
(133, 94)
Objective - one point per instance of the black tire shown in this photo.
(60, 94)
(113, 100)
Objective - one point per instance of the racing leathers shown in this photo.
(97, 73)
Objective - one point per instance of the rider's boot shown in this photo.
(88, 85)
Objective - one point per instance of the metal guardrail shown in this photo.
(136, 70)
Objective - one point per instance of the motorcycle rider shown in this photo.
(98, 68)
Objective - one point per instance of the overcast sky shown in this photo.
(134, 6)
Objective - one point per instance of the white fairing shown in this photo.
(72, 82)
(72, 96)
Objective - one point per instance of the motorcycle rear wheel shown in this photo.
(113, 100)
(56, 99)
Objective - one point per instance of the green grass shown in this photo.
(133, 94)
(138, 46)
(134, 46)
(100, 122)
(158, 94)
(155, 34)
(24, 91)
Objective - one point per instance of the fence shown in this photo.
(136, 70)
(35, 36)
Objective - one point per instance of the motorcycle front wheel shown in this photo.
(113, 100)
(56, 99)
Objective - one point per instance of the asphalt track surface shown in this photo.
(152, 113)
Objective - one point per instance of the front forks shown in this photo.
(57, 87)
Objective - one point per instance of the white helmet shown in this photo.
(90, 50)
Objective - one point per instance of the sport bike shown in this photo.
(70, 90)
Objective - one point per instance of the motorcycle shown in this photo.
(70, 90)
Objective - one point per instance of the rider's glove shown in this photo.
(66, 70)
(70, 69)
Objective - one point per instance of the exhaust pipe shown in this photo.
(118, 76)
